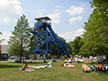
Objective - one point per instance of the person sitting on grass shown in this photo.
(25, 67)
(54, 60)
(23, 61)
(71, 59)
(45, 61)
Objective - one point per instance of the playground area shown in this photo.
(61, 69)
(64, 45)
(9, 71)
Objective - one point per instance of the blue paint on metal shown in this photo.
(44, 35)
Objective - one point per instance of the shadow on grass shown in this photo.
(35, 63)
(104, 74)
(9, 66)
(27, 63)
(92, 63)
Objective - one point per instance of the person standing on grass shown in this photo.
(104, 59)
(71, 59)
(99, 59)
(23, 61)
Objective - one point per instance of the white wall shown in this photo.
(4, 48)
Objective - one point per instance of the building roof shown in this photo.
(46, 18)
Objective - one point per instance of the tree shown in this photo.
(19, 42)
(31, 44)
(96, 30)
(76, 45)
(69, 49)
(1, 39)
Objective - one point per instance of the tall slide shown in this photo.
(45, 38)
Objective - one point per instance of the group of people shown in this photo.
(29, 68)
(74, 59)
(99, 68)
(66, 62)
(100, 59)
(45, 61)
(101, 64)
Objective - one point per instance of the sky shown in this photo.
(67, 16)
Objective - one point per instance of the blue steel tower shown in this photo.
(44, 38)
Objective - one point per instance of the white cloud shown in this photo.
(70, 36)
(55, 17)
(40, 12)
(5, 35)
(75, 10)
(1, 21)
(57, 11)
(56, 6)
(78, 32)
(10, 10)
(79, 18)
(72, 19)
(6, 20)
(60, 7)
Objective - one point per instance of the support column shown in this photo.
(58, 52)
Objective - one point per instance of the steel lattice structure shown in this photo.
(45, 38)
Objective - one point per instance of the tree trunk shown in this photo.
(107, 58)
(20, 58)
(21, 52)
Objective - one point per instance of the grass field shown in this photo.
(9, 72)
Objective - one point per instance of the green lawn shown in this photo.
(9, 72)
